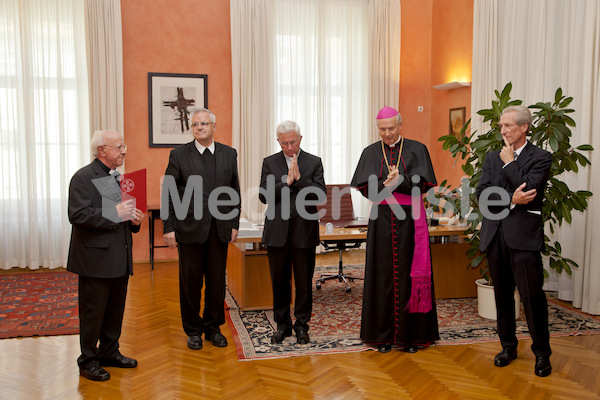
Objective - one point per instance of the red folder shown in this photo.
(133, 186)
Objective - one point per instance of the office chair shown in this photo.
(340, 212)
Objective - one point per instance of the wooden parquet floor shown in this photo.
(45, 367)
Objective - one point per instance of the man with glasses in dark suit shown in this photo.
(201, 225)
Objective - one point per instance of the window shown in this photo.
(321, 79)
(44, 128)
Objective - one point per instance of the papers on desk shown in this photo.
(249, 230)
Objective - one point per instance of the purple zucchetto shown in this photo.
(387, 112)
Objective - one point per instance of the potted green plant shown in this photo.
(551, 131)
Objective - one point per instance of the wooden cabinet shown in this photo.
(452, 278)
(248, 277)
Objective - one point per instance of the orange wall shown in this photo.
(452, 49)
(415, 74)
(184, 36)
(175, 37)
(436, 48)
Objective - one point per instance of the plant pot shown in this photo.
(486, 304)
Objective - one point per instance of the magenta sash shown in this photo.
(420, 273)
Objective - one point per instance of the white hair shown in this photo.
(195, 111)
(98, 140)
(286, 127)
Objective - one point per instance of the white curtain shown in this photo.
(540, 45)
(251, 58)
(105, 64)
(384, 58)
(44, 127)
(320, 79)
(309, 61)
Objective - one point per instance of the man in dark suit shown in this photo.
(291, 232)
(512, 183)
(100, 253)
(201, 225)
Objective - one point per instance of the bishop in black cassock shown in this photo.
(398, 301)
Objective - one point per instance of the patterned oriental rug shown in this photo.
(335, 325)
(38, 304)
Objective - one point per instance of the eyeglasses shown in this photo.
(195, 124)
(120, 147)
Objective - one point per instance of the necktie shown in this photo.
(516, 155)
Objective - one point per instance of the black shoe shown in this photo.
(504, 358)
(119, 361)
(302, 336)
(216, 338)
(280, 335)
(542, 366)
(94, 373)
(411, 349)
(194, 342)
(384, 348)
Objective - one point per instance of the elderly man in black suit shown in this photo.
(201, 225)
(100, 253)
(512, 233)
(291, 232)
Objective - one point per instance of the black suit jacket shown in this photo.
(184, 162)
(100, 248)
(304, 231)
(523, 228)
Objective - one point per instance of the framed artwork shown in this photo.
(457, 120)
(170, 99)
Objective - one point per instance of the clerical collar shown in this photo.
(288, 159)
(104, 167)
(201, 148)
(394, 144)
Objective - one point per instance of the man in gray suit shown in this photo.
(100, 253)
(201, 212)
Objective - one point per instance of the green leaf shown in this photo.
(569, 121)
(566, 213)
(585, 147)
(553, 143)
(565, 102)
(558, 96)
(558, 135)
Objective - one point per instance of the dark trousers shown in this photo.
(101, 307)
(524, 269)
(281, 260)
(199, 264)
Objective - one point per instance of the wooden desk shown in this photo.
(249, 279)
(248, 275)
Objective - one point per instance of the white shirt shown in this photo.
(288, 159)
(394, 145)
(517, 153)
(201, 148)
